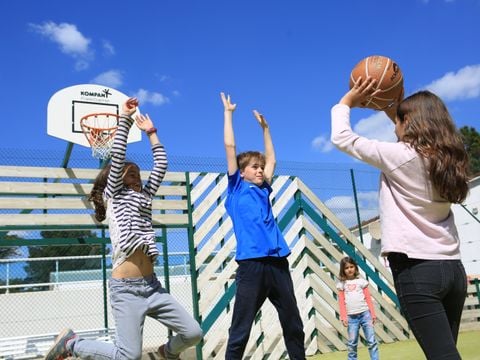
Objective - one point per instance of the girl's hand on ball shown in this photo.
(360, 92)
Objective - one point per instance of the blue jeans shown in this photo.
(257, 280)
(132, 300)
(431, 294)
(356, 321)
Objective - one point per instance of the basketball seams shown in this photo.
(385, 69)
(393, 86)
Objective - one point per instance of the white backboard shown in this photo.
(67, 106)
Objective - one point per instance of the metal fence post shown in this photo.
(193, 266)
(357, 208)
(104, 281)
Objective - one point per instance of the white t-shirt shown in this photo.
(354, 297)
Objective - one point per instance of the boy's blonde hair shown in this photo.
(244, 158)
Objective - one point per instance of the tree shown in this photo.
(471, 139)
(39, 271)
(6, 253)
(9, 251)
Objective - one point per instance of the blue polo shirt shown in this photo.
(256, 230)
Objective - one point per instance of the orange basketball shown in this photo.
(389, 80)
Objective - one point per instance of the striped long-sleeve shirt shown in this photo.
(129, 212)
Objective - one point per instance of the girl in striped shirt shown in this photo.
(135, 291)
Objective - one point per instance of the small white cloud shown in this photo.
(368, 198)
(340, 202)
(155, 98)
(112, 78)
(377, 126)
(344, 207)
(18, 233)
(163, 78)
(70, 40)
(322, 143)
(464, 84)
(81, 65)
(108, 48)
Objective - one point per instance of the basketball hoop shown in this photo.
(100, 129)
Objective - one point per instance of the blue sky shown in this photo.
(289, 59)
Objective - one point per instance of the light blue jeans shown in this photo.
(356, 321)
(132, 300)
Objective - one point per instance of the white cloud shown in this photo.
(340, 202)
(322, 143)
(344, 207)
(368, 198)
(81, 65)
(20, 234)
(108, 48)
(464, 84)
(155, 98)
(377, 126)
(70, 40)
(112, 78)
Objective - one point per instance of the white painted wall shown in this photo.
(469, 229)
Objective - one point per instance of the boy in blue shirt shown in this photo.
(263, 270)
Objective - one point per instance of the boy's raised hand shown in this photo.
(261, 119)
(227, 104)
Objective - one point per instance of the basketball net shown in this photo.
(100, 129)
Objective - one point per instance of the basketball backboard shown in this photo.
(67, 106)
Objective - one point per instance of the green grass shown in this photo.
(468, 345)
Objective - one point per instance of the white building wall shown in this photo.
(469, 229)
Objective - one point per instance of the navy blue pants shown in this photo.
(431, 294)
(256, 281)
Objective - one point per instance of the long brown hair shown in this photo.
(96, 195)
(430, 130)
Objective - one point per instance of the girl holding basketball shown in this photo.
(421, 176)
(356, 308)
(135, 291)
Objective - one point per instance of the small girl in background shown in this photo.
(356, 308)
